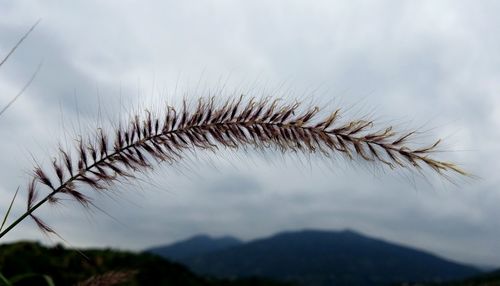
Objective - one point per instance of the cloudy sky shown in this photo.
(429, 65)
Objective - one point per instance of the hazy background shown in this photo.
(424, 64)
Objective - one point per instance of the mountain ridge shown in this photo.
(193, 246)
(321, 257)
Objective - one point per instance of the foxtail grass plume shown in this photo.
(144, 142)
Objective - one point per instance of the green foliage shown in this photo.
(488, 279)
(67, 267)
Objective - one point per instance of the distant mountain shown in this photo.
(328, 258)
(195, 246)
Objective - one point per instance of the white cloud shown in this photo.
(421, 63)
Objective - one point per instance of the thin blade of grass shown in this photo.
(49, 280)
(21, 277)
(19, 43)
(22, 90)
(7, 57)
(8, 210)
(4, 281)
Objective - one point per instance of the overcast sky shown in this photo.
(432, 65)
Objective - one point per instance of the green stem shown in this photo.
(27, 213)
(73, 178)
(55, 191)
